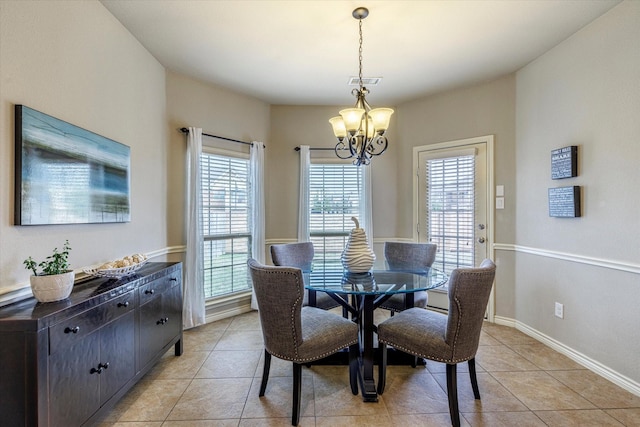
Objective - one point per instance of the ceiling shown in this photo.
(304, 52)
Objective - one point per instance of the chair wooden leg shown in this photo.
(474, 379)
(354, 351)
(297, 391)
(452, 393)
(382, 368)
(265, 372)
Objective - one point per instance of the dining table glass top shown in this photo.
(380, 280)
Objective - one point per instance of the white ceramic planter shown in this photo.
(54, 287)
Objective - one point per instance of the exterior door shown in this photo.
(453, 205)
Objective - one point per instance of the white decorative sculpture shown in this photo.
(357, 256)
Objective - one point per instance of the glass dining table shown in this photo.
(360, 294)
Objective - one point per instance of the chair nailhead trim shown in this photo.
(424, 355)
(293, 310)
(307, 359)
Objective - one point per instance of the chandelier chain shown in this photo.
(360, 54)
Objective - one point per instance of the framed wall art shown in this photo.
(67, 175)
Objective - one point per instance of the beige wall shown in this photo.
(218, 111)
(74, 61)
(584, 92)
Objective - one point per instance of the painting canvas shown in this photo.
(67, 175)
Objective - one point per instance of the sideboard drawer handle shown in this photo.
(123, 304)
(74, 330)
(173, 279)
(149, 292)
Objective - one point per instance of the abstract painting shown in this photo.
(67, 175)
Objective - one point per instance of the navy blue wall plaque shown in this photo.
(564, 162)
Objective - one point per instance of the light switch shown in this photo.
(499, 202)
(499, 190)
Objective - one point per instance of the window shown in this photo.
(451, 208)
(226, 224)
(335, 195)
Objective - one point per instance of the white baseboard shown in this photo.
(593, 365)
(224, 314)
(504, 321)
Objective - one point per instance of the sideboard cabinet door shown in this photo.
(117, 355)
(160, 316)
(93, 356)
(74, 388)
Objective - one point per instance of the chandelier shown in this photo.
(360, 130)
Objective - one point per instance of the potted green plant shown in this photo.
(54, 282)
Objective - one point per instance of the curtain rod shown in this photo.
(185, 130)
(317, 149)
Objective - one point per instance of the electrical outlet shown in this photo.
(560, 310)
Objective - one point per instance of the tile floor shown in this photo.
(215, 383)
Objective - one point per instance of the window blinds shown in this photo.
(451, 210)
(226, 223)
(335, 195)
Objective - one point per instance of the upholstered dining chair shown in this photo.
(408, 256)
(451, 338)
(296, 333)
(301, 255)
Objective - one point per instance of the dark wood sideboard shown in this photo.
(66, 363)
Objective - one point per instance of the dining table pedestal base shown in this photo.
(359, 295)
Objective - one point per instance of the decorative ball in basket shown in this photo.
(357, 256)
(120, 267)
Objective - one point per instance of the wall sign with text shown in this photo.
(564, 202)
(564, 162)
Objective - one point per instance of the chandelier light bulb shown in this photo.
(352, 118)
(381, 118)
(339, 130)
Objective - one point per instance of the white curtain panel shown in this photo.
(193, 313)
(303, 210)
(366, 208)
(257, 194)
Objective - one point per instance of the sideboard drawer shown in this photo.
(157, 287)
(70, 331)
